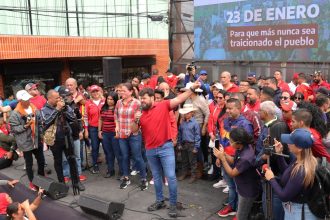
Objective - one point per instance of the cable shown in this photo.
(148, 213)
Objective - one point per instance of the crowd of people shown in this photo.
(178, 127)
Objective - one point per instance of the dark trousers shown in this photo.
(4, 163)
(57, 150)
(189, 159)
(39, 155)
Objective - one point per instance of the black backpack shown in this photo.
(319, 199)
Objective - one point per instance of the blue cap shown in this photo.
(203, 72)
(252, 74)
(300, 137)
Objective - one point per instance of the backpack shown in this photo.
(319, 199)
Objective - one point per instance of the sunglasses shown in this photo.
(298, 98)
(284, 97)
(220, 98)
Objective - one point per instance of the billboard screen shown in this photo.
(254, 30)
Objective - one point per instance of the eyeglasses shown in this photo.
(220, 98)
(284, 97)
(298, 98)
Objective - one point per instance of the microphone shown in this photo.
(264, 168)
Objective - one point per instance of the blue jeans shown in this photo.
(293, 211)
(232, 196)
(65, 164)
(161, 160)
(277, 208)
(112, 150)
(93, 135)
(133, 143)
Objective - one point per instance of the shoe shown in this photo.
(134, 172)
(82, 178)
(109, 174)
(33, 187)
(95, 169)
(156, 206)
(166, 182)
(210, 171)
(225, 202)
(151, 182)
(226, 190)
(221, 183)
(80, 186)
(182, 177)
(67, 179)
(125, 183)
(227, 210)
(192, 180)
(173, 212)
(144, 185)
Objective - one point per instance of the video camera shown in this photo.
(191, 66)
(28, 117)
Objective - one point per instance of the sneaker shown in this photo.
(173, 212)
(156, 206)
(125, 183)
(109, 174)
(210, 171)
(33, 187)
(151, 182)
(235, 218)
(134, 172)
(221, 183)
(82, 178)
(226, 211)
(144, 185)
(67, 179)
(95, 169)
(166, 182)
(226, 190)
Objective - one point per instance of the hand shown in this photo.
(204, 130)
(196, 84)
(86, 133)
(218, 162)
(81, 135)
(220, 154)
(60, 105)
(195, 150)
(28, 123)
(100, 134)
(25, 205)
(9, 155)
(137, 116)
(12, 183)
(41, 190)
(269, 174)
(278, 146)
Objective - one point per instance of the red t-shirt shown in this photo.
(153, 81)
(284, 86)
(38, 101)
(233, 88)
(171, 81)
(155, 125)
(316, 86)
(305, 89)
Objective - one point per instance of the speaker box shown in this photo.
(112, 71)
(54, 190)
(101, 208)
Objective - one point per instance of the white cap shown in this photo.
(188, 85)
(218, 86)
(23, 95)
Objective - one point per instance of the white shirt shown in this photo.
(292, 87)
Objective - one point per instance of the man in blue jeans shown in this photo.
(156, 131)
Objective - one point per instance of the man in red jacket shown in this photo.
(318, 81)
(171, 79)
(225, 78)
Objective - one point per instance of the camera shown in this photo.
(191, 67)
(28, 117)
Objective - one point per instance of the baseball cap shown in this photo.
(64, 91)
(94, 87)
(31, 86)
(23, 95)
(145, 76)
(300, 137)
(203, 72)
(295, 76)
(218, 86)
(289, 106)
(252, 74)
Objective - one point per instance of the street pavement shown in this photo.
(200, 201)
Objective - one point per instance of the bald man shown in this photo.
(225, 78)
(72, 85)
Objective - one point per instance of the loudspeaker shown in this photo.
(54, 190)
(101, 208)
(112, 71)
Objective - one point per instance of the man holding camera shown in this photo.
(25, 126)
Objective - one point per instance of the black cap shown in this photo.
(64, 91)
(145, 76)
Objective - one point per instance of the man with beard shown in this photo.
(159, 146)
(252, 99)
(318, 81)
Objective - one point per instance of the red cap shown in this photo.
(289, 106)
(94, 87)
(295, 76)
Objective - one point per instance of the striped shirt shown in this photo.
(124, 116)
(108, 119)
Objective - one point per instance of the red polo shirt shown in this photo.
(233, 88)
(283, 86)
(155, 125)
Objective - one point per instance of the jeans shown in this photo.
(232, 196)
(161, 160)
(277, 208)
(133, 143)
(244, 207)
(66, 168)
(93, 134)
(39, 155)
(112, 150)
(293, 211)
